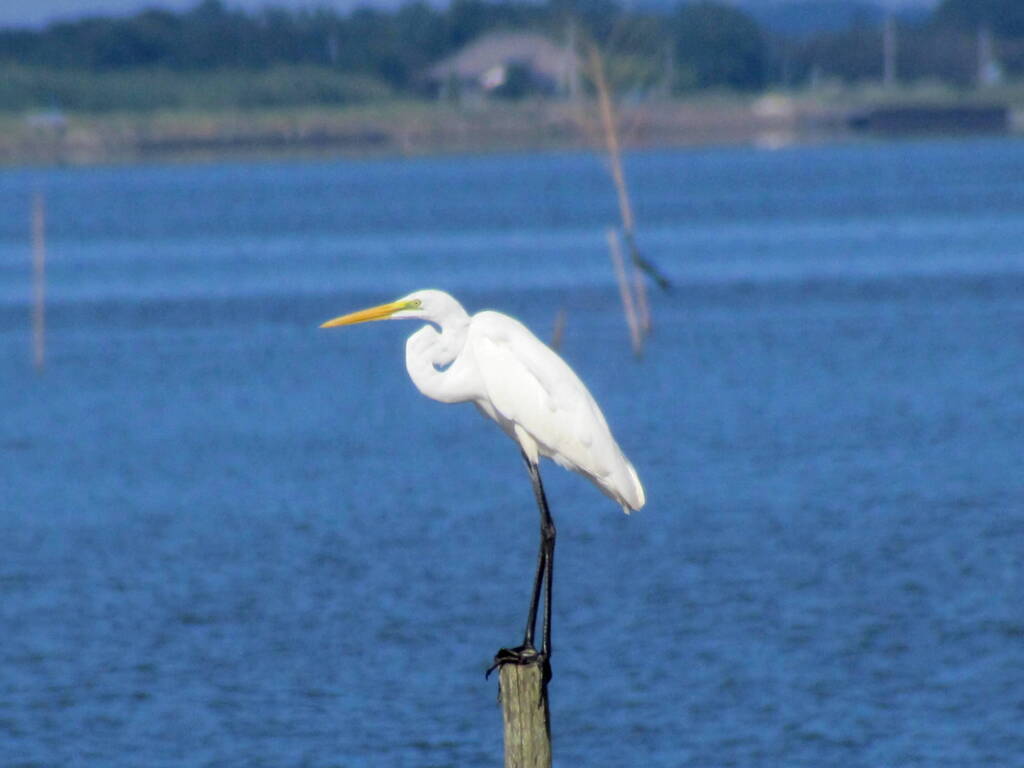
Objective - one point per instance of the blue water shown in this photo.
(228, 538)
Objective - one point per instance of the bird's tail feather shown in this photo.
(637, 498)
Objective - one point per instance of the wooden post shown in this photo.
(524, 710)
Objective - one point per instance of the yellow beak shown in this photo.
(365, 315)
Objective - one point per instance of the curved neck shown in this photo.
(431, 359)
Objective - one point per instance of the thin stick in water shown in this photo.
(559, 330)
(611, 136)
(624, 292)
(38, 281)
(642, 307)
(609, 126)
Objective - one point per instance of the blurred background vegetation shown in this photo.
(217, 57)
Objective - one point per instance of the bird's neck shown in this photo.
(431, 356)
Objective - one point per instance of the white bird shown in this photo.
(495, 362)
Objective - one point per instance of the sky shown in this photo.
(37, 12)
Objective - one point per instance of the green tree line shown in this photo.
(215, 55)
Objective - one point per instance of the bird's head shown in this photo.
(428, 306)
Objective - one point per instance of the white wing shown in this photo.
(527, 388)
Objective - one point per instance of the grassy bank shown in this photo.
(417, 127)
(147, 90)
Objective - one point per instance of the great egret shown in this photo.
(496, 363)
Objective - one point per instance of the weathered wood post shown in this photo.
(524, 710)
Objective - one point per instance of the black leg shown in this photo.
(527, 652)
(538, 581)
(547, 544)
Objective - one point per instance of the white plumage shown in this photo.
(494, 361)
(539, 401)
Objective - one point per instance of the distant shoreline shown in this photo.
(416, 128)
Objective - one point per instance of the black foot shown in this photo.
(522, 654)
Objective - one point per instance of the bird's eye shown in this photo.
(415, 304)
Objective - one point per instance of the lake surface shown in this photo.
(228, 538)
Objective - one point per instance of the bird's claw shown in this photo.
(522, 655)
